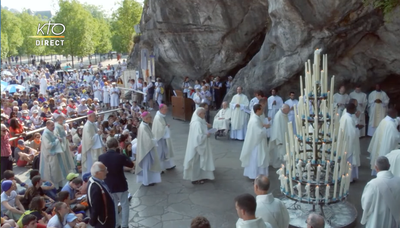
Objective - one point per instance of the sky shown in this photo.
(43, 5)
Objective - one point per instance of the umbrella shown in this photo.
(3, 85)
(13, 88)
(6, 72)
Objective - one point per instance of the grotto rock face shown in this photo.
(264, 44)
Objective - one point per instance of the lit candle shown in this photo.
(317, 194)
(308, 167)
(327, 193)
(348, 177)
(286, 185)
(308, 191)
(342, 183)
(328, 165)
(299, 190)
(318, 173)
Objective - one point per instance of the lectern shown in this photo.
(182, 108)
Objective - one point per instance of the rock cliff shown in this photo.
(264, 44)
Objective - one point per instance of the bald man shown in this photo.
(222, 119)
(277, 140)
(315, 221)
(270, 209)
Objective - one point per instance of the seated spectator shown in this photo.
(72, 186)
(10, 204)
(59, 220)
(85, 178)
(29, 221)
(128, 152)
(200, 222)
(34, 191)
(36, 208)
(47, 186)
(35, 142)
(72, 222)
(24, 154)
(7, 223)
(77, 209)
(21, 187)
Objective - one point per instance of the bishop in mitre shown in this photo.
(67, 163)
(378, 102)
(198, 163)
(255, 154)
(351, 134)
(385, 139)
(394, 160)
(340, 100)
(148, 168)
(277, 140)
(380, 200)
(362, 103)
(92, 143)
(162, 134)
(240, 115)
(223, 118)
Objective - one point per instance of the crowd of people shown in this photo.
(79, 138)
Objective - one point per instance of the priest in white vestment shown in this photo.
(275, 102)
(114, 101)
(223, 118)
(351, 134)
(240, 115)
(43, 85)
(255, 155)
(50, 166)
(98, 91)
(162, 134)
(269, 208)
(380, 200)
(68, 164)
(362, 103)
(92, 143)
(198, 163)
(340, 100)
(378, 102)
(277, 140)
(385, 139)
(292, 102)
(257, 96)
(394, 160)
(246, 205)
(148, 168)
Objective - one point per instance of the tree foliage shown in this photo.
(4, 45)
(12, 33)
(122, 25)
(29, 28)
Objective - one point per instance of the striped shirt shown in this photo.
(5, 145)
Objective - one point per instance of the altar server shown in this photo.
(394, 160)
(162, 134)
(240, 115)
(198, 163)
(92, 144)
(292, 102)
(362, 103)
(277, 141)
(148, 168)
(340, 100)
(255, 154)
(275, 102)
(385, 138)
(222, 119)
(114, 101)
(380, 200)
(351, 134)
(378, 102)
(269, 208)
(257, 96)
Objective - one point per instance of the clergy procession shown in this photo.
(81, 142)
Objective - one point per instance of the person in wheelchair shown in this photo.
(222, 120)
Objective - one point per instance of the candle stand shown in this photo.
(316, 175)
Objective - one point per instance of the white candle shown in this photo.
(286, 185)
(322, 82)
(299, 190)
(317, 194)
(327, 193)
(342, 182)
(323, 152)
(301, 85)
(299, 170)
(335, 180)
(332, 89)
(328, 165)
(307, 128)
(291, 134)
(304, 145)
(296, 148)
(318, 173)
(308, 167)
(282, 179)
(283, 170)
(290, 181)
(348, 177)
(308, 191)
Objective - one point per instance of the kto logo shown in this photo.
(54, 30)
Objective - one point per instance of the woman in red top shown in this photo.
(16, 129)
(6, 159)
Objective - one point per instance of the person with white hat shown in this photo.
(97, 90)
(106, 95)
(36, 119)
(114, 96)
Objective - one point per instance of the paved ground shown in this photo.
(175, 202)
